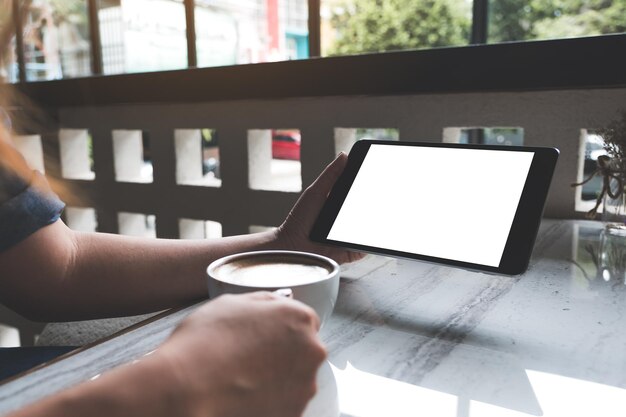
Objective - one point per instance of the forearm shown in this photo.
(245, 355)
(142, 389)
(56, 274)
(119, 275)
(60, 275)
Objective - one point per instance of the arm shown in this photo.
(224, 360)
(57, 274)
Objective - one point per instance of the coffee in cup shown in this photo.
(313, 279)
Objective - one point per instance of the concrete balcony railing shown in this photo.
(553, 92)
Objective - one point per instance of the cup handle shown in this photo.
(284, 292)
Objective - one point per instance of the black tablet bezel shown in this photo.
(523, 231)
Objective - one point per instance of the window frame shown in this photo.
(497, 67)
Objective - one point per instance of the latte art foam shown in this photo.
(278, 273)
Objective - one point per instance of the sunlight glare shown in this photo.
(362, 394)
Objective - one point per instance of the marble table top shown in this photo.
(409, 338)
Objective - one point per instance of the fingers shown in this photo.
(299, 310)
(261, 342)
(295, 307)
(261, 296)
(311, 317)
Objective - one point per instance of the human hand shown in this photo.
(243, 355)
(294, 232)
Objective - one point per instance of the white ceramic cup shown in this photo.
(275, 270)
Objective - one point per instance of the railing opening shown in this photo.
(590, 148)
(254, 228)
(136, 224)
(274, 160)
(484, 135)
(199, 229)
(81, 219)
(131, 156)
(76, 147)
(345, 137)
(197, 157)
(31, 148)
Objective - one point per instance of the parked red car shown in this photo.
(286, 144)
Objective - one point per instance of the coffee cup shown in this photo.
(313, 279)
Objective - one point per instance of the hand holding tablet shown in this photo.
(471, 206)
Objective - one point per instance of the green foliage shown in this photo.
(387, 25)
(209, 137)
(368, 26)
(72, 9)
(614, 137)
(379, 134)
(517, 20)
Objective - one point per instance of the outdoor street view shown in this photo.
(150, 35)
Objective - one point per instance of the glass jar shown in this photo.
(613, 238)
(614, 202)
(613, 253)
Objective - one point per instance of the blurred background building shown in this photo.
(63, 38)
(151, 35)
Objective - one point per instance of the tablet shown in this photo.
(476, 207)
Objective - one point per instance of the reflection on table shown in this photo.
(409, 338)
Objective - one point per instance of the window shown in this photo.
(9, 71)
(142, 35)
(66, 38)
(366, 26)
(518, 20)
(232, 32)
(56, 40)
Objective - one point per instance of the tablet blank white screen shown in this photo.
(449, 203)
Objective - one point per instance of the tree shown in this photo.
(386, 25)
(364, 26)
(74, 11)
(516, 20)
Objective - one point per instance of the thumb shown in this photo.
(303, 214)
(324, 183)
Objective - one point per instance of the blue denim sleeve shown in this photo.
(26, 208)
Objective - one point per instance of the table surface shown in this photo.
(410, 338)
